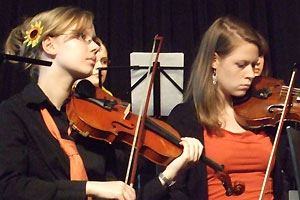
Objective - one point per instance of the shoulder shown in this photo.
(31, 94)
(11, 103)
(185, 108)
(18, 107)
(184, 119)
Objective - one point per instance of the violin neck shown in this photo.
(153, 126)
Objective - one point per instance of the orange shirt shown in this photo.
(245, 157)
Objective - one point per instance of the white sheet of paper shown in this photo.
(169, 94)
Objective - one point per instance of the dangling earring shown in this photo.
(214, 77)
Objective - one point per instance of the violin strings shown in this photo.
(295, 91)
(286, 88)
(292, 95)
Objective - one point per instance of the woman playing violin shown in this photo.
(40, 158)
(158, 186)
(222, 70)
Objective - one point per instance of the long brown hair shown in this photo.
(220, 38)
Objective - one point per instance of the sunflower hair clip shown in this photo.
(33, 36)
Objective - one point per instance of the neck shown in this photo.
(55, 85)
(227, 117)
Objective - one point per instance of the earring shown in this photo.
(214, 77)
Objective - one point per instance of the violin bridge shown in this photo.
(74, 127)
(126, 111)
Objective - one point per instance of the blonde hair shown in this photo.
(220, 38)
(55, 22)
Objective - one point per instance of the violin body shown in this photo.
(264, 103)
(104, 118)
(96, 114)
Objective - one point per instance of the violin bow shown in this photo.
(278, 133)
(138, 136)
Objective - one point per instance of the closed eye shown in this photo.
(242, 65)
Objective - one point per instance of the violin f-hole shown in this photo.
(273, 108)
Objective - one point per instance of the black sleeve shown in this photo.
(15, 180)
(190, 183)
(184, 119)
(154, 190)
(177, 119)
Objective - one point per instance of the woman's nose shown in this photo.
(250, 71)
(94, 47)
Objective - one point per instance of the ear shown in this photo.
(48, 46)
(215, 61)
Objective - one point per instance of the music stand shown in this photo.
(294, 144)
(168, 83)
(22, 59)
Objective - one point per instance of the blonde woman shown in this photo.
(40, 156)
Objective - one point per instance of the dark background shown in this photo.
(126, 26)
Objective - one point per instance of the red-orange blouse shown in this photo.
(245, 157)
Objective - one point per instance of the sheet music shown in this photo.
(170, 95)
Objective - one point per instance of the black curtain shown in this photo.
(130, 25)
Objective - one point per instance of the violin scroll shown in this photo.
(237, 188)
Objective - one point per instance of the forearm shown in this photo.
(31, 188)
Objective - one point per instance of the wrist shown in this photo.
(165, 181)
(88, 188)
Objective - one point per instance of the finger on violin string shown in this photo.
(200, 149)
(192, 147)
(197, 148)
(186, 148)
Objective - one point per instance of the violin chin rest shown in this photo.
(85, 89)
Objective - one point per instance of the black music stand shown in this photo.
(21, 59)
(171, 62)
(294, 143)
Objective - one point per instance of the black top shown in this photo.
(32, 164)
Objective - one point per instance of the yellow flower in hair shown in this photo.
(33, 35)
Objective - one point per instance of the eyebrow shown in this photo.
(247, 61)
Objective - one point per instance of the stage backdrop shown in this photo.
(129, 26)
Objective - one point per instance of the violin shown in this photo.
(263, 104)
(268, 102)
(96, 114)
(104, 118)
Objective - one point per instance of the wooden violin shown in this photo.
(96, 114)
(269, 102)
(262, 106)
